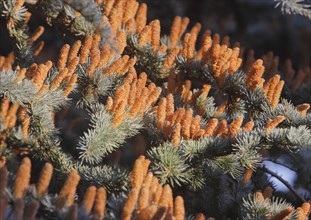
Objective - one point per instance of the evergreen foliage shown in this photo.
(205, 118)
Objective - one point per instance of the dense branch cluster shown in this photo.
(198, 119)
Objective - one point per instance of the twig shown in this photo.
(263, 168)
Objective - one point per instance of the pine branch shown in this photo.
(294, 7)
(17, 30)
(21, 93)
(62, 16)
(170, 164)
(93, 87)
(258, 207)
(113, 178)
(230, 164)
(246, 148)
(265, 169)
(291, 138)
(148, 60)
(104, 138)
(91, 11)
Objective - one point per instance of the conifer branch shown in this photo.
(21, 93)
(105, 138)
(209, 118)
(265, 169)
(294, 7)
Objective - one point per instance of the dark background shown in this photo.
(256, 24)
